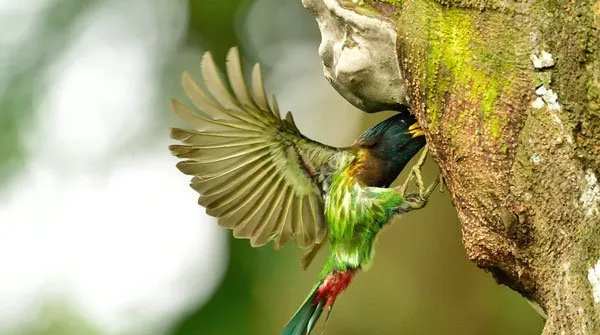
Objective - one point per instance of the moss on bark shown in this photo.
(524, 180)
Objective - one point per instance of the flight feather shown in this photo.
(254, 171)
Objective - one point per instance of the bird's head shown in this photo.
(386, 148)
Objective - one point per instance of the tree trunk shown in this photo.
(508, 94)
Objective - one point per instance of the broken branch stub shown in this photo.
(358, 55)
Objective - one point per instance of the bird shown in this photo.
(263, 179)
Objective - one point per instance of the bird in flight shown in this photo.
(266, 181)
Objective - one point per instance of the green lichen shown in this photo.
(464, 62)
(495, 126)
(459, 58)
(542, 78)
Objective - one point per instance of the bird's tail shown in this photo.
(321, 297)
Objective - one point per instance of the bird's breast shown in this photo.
(350, 212)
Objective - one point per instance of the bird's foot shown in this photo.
(415, 172)
(414, 201)
(417, 200)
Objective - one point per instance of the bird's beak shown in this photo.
(415, 130)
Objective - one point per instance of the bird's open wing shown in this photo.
(253, 170)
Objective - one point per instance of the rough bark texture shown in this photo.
(522, 167)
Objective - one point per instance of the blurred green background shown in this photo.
(88, 222)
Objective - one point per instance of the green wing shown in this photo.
(254, 171)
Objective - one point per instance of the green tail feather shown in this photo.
(305, 319)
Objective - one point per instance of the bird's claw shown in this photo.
(415, 172)
(415, 200)
(418, 200)
(431, 188)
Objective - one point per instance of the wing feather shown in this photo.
(275, 105)
(175, 149)
(225, 204)
(229, 155)
(200, 99)
(316, 208)
(298, 221)
(206, 104)
(258, 89)
(236, 212)
(283, 232)
(209, 138)
(248, 224)
(249, 165)
(309, 223)
(200, 122)
(263, 232)
(236, 76)
(225, 172)
(214, 83)
(214, 186)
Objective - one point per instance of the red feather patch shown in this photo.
(335, 283)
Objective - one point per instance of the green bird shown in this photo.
(267, 182)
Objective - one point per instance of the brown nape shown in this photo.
(369, 169)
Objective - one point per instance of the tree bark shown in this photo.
(508, 94)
